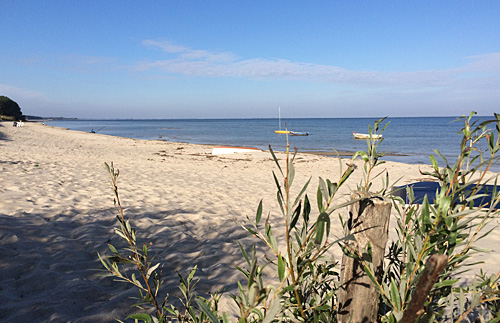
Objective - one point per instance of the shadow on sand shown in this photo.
(49, 261)
(2, 134)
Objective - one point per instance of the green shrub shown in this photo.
(447, 224)
(9, 109)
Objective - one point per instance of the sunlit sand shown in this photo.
(57, 212)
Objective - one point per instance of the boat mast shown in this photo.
(279, 117)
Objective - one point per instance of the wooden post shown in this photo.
(368, 222)
(434, 265)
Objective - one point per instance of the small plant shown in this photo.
(371, 157)
(146, 276)
(308, 279)
(449, 223)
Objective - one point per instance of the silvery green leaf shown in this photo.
(324, 189)
(205, 309)
(322, 224)
(281, 268)
(295, 217)
(275, 159)
(395, 295)
(259, 213)
(274, 308)
(151, 270)
(319, 200)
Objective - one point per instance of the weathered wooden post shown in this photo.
(369, 223)
(434, 265)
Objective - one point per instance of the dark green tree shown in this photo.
(10, 108)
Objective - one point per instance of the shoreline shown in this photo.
(349, 154)
(57, 212)
(321, 140)
(320, 152)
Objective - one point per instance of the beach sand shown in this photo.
(57, 213)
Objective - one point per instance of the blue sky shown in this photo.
(244, 59)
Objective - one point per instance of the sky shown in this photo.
(246, 59)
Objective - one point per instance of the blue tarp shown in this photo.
(420, 189)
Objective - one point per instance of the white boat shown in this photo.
(366, 136)
(221, 150)
(295, 133)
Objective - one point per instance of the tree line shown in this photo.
(9, 109)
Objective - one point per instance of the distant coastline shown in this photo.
(39, 118)
(32, 117)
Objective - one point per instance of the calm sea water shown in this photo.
(408, 140)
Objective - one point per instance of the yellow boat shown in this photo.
(288, 132)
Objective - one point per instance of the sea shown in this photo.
(408, 140)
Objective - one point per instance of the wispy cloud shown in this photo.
(165, 46)
(486, 63)
(188, 54)
(185, 61)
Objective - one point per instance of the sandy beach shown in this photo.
(57, 213)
